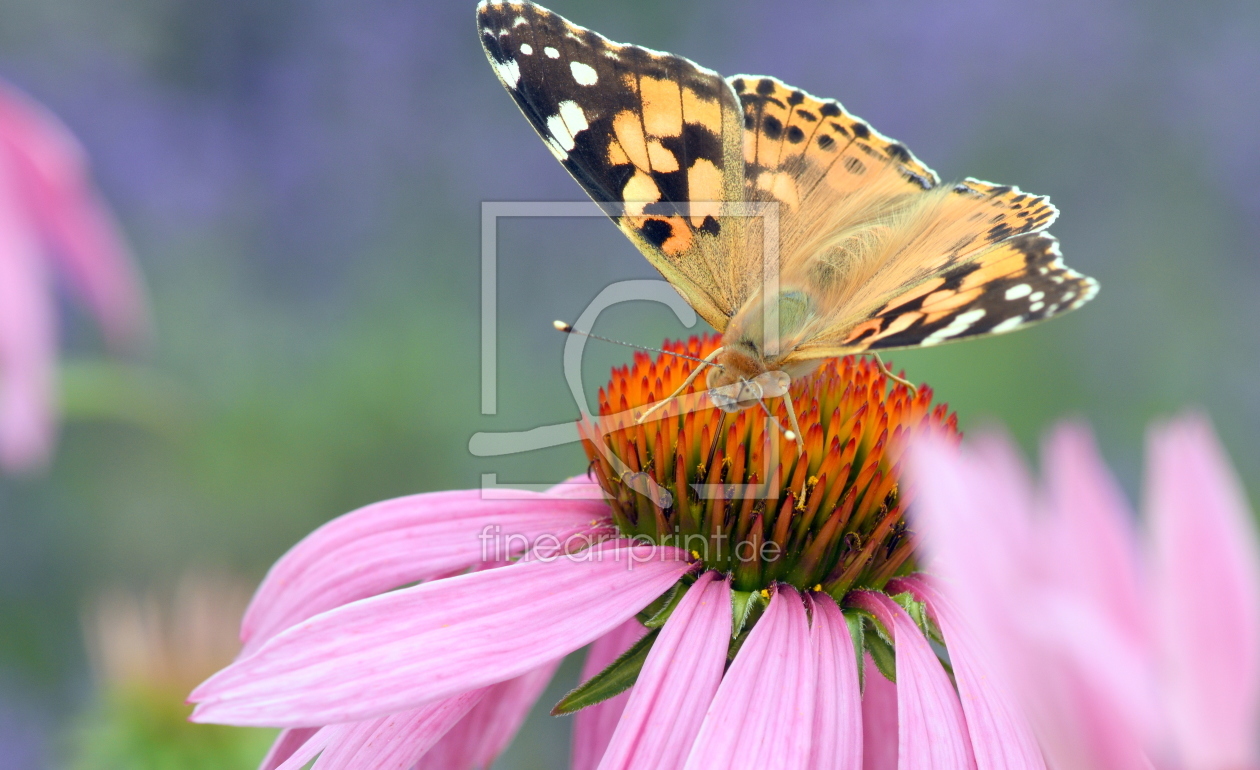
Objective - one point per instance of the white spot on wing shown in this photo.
(1017, 291)
(509, 71)
(551, 53)
(584, 74)
(556, 149)
(956, 327)
(1007, 325)
(1034, 307)
(567, 124)
(1036, 296)
(519, 20)
(527, 49)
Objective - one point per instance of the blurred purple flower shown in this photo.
(51, 221)
(1125, 652)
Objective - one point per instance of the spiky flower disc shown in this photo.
(831, 516)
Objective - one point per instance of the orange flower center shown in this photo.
(733, 490)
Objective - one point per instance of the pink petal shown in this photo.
(583, 487)
(677, 683)
(52, 170)
(1000, 734)
(1075, 673)
(1206, 595)
(392, 543)
(763, 713)
(28, 344)
(395, 741)
(491, 725)
(932, 731)
(399, 650)
(286, 744)
(1091, 536)
(593, 726)
(837, 735)
(879, 720)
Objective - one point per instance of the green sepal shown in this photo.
(918, 612)
(742, 604)
(755, 607)
(620, 676)
(881, 650)
(672, 599)
(854, 622)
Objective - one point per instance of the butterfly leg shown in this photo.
(889, 374)
(708, 361)
(796, 427)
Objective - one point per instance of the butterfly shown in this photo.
(853, 245)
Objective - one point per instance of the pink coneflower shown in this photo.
(734, 592)
(1126, 651)
(51, 221)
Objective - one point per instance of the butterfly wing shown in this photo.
(874, 252)
(649, 130)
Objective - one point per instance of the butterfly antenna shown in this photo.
(568, 329)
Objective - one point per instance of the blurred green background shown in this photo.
(301, 181)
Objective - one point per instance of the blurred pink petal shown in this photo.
(50, 216)
(932, 733)
(51, 171)
(1071, 668)
(286, 744)
(1206, 596)
(879, 720)
(837, 731)
(485, 731)
(28, 338)
(1000, 734)
(383, 546)
(679, 678)
(1093, 533)
(1121, 657)
(399, 650)
(763, 711)
(593, 726)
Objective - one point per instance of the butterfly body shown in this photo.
(790, 225)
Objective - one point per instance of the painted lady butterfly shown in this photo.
(871, 251)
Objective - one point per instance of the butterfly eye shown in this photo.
(773, 384)
(736, 396)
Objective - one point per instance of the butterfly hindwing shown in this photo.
(649, 130)
(1017, 282)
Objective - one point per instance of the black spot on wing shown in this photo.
(656, 231)
(545, 82)
(772, 128)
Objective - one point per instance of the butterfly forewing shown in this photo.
(649, 130)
